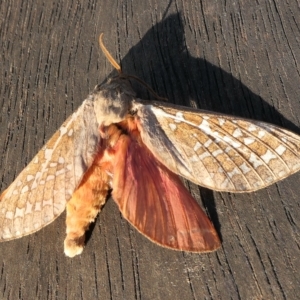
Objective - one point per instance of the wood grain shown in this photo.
(237, 57)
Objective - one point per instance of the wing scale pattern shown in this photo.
(217, 151)
(40, 192)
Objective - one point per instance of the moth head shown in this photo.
(112, 100)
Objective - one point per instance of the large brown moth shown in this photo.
(137, 149)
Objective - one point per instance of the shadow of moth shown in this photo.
(137, 149)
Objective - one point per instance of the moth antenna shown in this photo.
(108, 56)
(148, 87)
(118, 68)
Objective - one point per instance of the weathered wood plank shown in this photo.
(236, 57)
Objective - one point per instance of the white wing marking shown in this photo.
(218, 151)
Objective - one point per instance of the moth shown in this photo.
(136, 149)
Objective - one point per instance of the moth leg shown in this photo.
(82, 209)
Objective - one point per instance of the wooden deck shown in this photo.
(235, 57)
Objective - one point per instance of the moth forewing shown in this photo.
(40, 192)
(217, 151)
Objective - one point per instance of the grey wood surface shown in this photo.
(237, 57)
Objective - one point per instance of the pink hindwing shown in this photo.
(154, 200)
